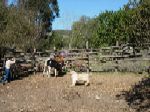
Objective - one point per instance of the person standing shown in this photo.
(7, 76)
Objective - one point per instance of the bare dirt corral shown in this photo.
(42, 94)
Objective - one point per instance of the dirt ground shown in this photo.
(41, 94)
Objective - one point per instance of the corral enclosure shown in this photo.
(106, 59)
(110, 59)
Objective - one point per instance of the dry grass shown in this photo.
(41, 94)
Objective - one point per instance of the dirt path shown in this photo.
(41, 94)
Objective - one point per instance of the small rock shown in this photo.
(97, 97)
(21, 110)
(7, 87)
(2, 90)
(3, 101)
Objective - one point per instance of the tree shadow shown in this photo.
(138, 97)
(21, 76)
(60, 74)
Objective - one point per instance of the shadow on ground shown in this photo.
(138, 97)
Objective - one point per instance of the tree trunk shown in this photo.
(117, 43)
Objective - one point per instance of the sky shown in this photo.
(72, 10)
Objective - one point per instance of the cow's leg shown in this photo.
(44, 70)
(74, 82)
(55, 71)
(87, 82)
(49, 71)
(35, 70)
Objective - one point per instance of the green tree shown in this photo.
(23, 25)
(18, 32)
(80, 32)
(45, 12)
(140, 22)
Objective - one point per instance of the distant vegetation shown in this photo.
(59, 39)
(128, 25)
(28, 25)
(25, 24)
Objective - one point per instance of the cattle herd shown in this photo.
(33, 64)
(54, 63)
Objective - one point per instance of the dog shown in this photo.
(76, 77)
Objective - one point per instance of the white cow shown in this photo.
(79, 77)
